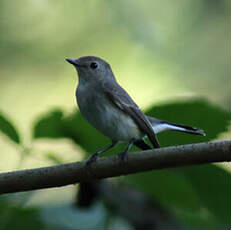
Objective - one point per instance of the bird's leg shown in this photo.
(123, 155)
(155, 144)
(141, 145)
(93, 157)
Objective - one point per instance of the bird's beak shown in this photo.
(72, 61)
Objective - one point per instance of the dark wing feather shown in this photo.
(124, 102)
(142, 145)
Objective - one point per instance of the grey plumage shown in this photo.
(109, 108)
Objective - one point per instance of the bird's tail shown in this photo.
(159, 126)
(184, 128)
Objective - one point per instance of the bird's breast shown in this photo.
(98, 110)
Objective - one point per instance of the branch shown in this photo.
(65, 174)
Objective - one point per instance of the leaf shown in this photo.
(163, 185)
(193, 194)
(84, 134)
(199, 194)
(14, 216)
(213, 186)
(194, 112)
(8, 129)
(50, 125)
(75, 127)
(199, 113)
(175, 193)
(54, 158)
(26, 218)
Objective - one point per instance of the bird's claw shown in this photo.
(91, 160)
(123, 156)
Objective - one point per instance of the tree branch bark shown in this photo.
(65, 174)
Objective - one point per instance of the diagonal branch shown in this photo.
(65, 174)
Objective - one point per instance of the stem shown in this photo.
(65, 174)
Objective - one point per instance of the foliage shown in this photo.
(166, 46)
(8, 129)
(197, 196)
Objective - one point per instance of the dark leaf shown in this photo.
(8, 129)
(198, 113)
(50, 125)
(199, 194)
(84, 134)
(213, 187)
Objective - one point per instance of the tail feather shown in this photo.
(159, 126)
(186, 129)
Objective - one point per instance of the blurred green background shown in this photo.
(173, 57)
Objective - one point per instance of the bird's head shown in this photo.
(91, 68)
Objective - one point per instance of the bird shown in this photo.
(110, 109)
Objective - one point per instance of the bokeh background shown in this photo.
(173, 57)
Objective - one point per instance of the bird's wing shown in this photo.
(119, 97)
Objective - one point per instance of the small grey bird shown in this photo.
(109, 108)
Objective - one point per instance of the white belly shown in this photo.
(118, 126)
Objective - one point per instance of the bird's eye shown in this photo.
(94, 65)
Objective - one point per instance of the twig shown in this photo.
(65, 174)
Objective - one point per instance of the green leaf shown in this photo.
(175, 193)
(213, 186)
(8, 129)
(199, 194)
(50, 125)
(198, 113)
(163, 185)
(54, 158)
(183, 191)
(14, 216)
(84, 134)
(75, 127)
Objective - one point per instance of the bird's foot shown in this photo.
(91, 160)
(123, 156)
